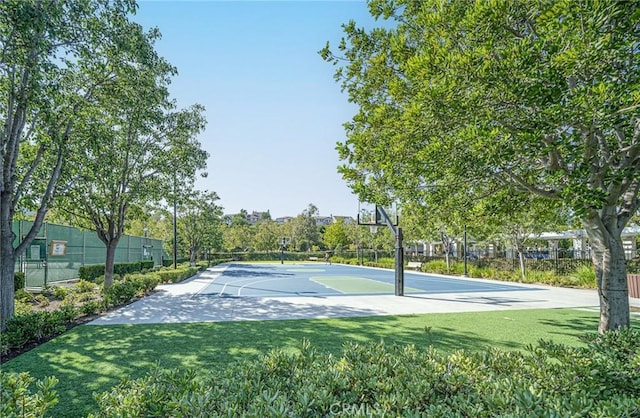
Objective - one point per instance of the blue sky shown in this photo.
(274, 111)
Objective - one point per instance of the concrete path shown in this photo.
(183, 302)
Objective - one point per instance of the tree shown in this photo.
(136, 144)
(237, 238)
(199, 225)
(304, 229)
(336, 235)
(240, 219)
(156, 222)
(267, 236)
(518, 219)
(535, 96)
(51, 68)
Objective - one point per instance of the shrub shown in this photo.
(18, 400)
(32, 327)
(42, 300)
(19, 280)
(119, 293)
(131, 286)
(84, 286)
(173, 276)
(91, 272)
(24, 296)
(94, 271)
(91, 307)
(436, 266)
(60, 292)
(600, 379)
(583, 276)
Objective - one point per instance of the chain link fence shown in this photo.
(58, 252)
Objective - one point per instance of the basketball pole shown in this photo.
(399, 256)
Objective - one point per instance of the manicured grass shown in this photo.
(94, 358)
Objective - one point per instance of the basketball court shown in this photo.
(318, 279)
(249, 292)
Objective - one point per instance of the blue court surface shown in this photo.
(318, 279)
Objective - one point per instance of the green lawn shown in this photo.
(94, 358)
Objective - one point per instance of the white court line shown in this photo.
(326, 285)
(267, 280)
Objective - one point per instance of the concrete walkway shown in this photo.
(182, 302)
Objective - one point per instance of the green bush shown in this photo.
(83, 286)
(24, 296)
(94, 271)
(119, 293)
(169, 262)
(173, 276)
(19, 280)
(129, 287)
(60, 292)
(91, 307)
(91, 272)
(436, 266)
(583, 276)
(600, 379)
(32, 327)
(18, 400)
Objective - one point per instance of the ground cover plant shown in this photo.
(599, 380)
(91, 359)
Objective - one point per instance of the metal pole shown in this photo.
(46, 255)
(282, 252)
(175, 230)
(464, 274)
(399, 264)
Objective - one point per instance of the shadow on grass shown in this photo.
(94, 358)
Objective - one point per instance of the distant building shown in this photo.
(284, 219)
(323, 220)
(252, 218)
(347, 220)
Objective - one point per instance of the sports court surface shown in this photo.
(248, 291)
(269, 280)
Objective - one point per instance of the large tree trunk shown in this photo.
(110, 261)
(7, 266)
(192, 258)
(613, 292)
(611, 273)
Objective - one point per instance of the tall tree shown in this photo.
(304, 229)
(539, 96)
(267, 236)
(136, 144)
(51, 68)
(199, 225)
(336, 235)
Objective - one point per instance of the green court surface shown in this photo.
(350, 284)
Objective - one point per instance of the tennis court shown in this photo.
(317, 279)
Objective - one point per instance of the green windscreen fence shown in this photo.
(58, 252)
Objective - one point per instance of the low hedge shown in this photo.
(175, 275)
(168, 262)
(599, 380)
(93, 271)
(34, 327)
